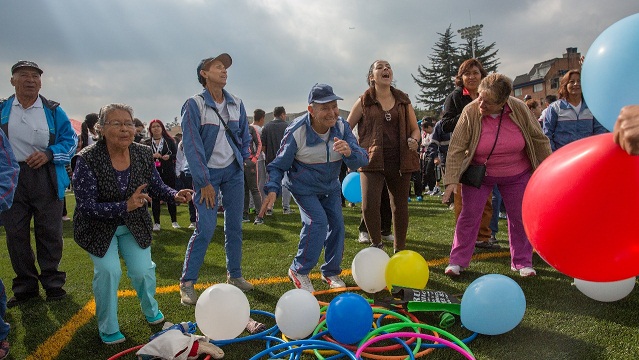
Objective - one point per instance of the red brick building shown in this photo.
(543, 78)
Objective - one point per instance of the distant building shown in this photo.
(543, 78)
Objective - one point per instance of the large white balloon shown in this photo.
(606, 291)
(297, 313)
(369, 268)
(222, 312)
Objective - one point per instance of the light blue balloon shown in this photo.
(492, 304)
(609, 76)
(351, 188)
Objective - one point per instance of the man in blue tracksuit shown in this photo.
(216, 140)
(311, 154)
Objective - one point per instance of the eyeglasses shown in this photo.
(128, 124)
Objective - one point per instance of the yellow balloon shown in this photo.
(407, 269)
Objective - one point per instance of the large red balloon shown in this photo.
(580, 210)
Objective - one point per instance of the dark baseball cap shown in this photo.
(25, 63)
(224, 58)
(321, 94)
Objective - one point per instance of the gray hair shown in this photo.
(498, 85)
(107, 109)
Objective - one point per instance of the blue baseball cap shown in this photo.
(321, 94)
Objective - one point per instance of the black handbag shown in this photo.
(474, 174)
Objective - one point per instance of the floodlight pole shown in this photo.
(471, 33)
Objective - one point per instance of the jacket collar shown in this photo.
(370, 98)
(208, 99)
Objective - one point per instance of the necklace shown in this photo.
(387, 116)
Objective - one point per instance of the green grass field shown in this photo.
(560, 322)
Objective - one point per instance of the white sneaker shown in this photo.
(364, 238)
(334, 282)
(176, 225)
(192, 226)
(301, 281)
(389, 238)
(453, 270)
(187, 293)
(240, 283)
(156, 227)
(525, 271)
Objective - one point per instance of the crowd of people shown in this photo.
(222, 161)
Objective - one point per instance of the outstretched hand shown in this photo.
(184, 195)
(267, 203)
(138, 199)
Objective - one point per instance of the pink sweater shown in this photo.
(509, 157)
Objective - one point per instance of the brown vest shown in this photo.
(371, 136)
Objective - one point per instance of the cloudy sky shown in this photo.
(144, 52)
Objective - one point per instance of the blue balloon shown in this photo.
(609, 78)
(492, 304)
(351, 187)
(349, 318)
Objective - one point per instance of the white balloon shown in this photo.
(297, 313)
(606, 291)
(222, 312)
(369, 268)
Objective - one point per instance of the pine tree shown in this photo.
(436, 82)
(485, 54)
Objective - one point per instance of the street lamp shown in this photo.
(471, 33)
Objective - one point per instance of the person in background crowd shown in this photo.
(469, 75)
(250, 177)
(183, 173)
(88, 135)
(9, 172)
(436, 152)
(312, 151)
(272, 135)
(164, 152)
(427, 173)
(549, 99)
(499, 131)
(43, 142)
(139, 130)
(258, 123)
(216, 141)
(534, 107)
(114, 181)
(626, 131)
(569, 118)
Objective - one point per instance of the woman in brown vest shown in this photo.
(387, 128)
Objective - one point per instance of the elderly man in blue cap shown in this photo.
(311, 153)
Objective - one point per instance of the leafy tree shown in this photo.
(436, 81)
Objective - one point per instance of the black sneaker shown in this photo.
(56, 294)
(487, 245)
(19, 299)
(379, 246)
(245, 218)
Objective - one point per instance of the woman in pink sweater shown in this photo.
(499, 131)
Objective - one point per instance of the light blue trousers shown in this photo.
(106, 278)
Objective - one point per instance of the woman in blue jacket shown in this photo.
(569, 119)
